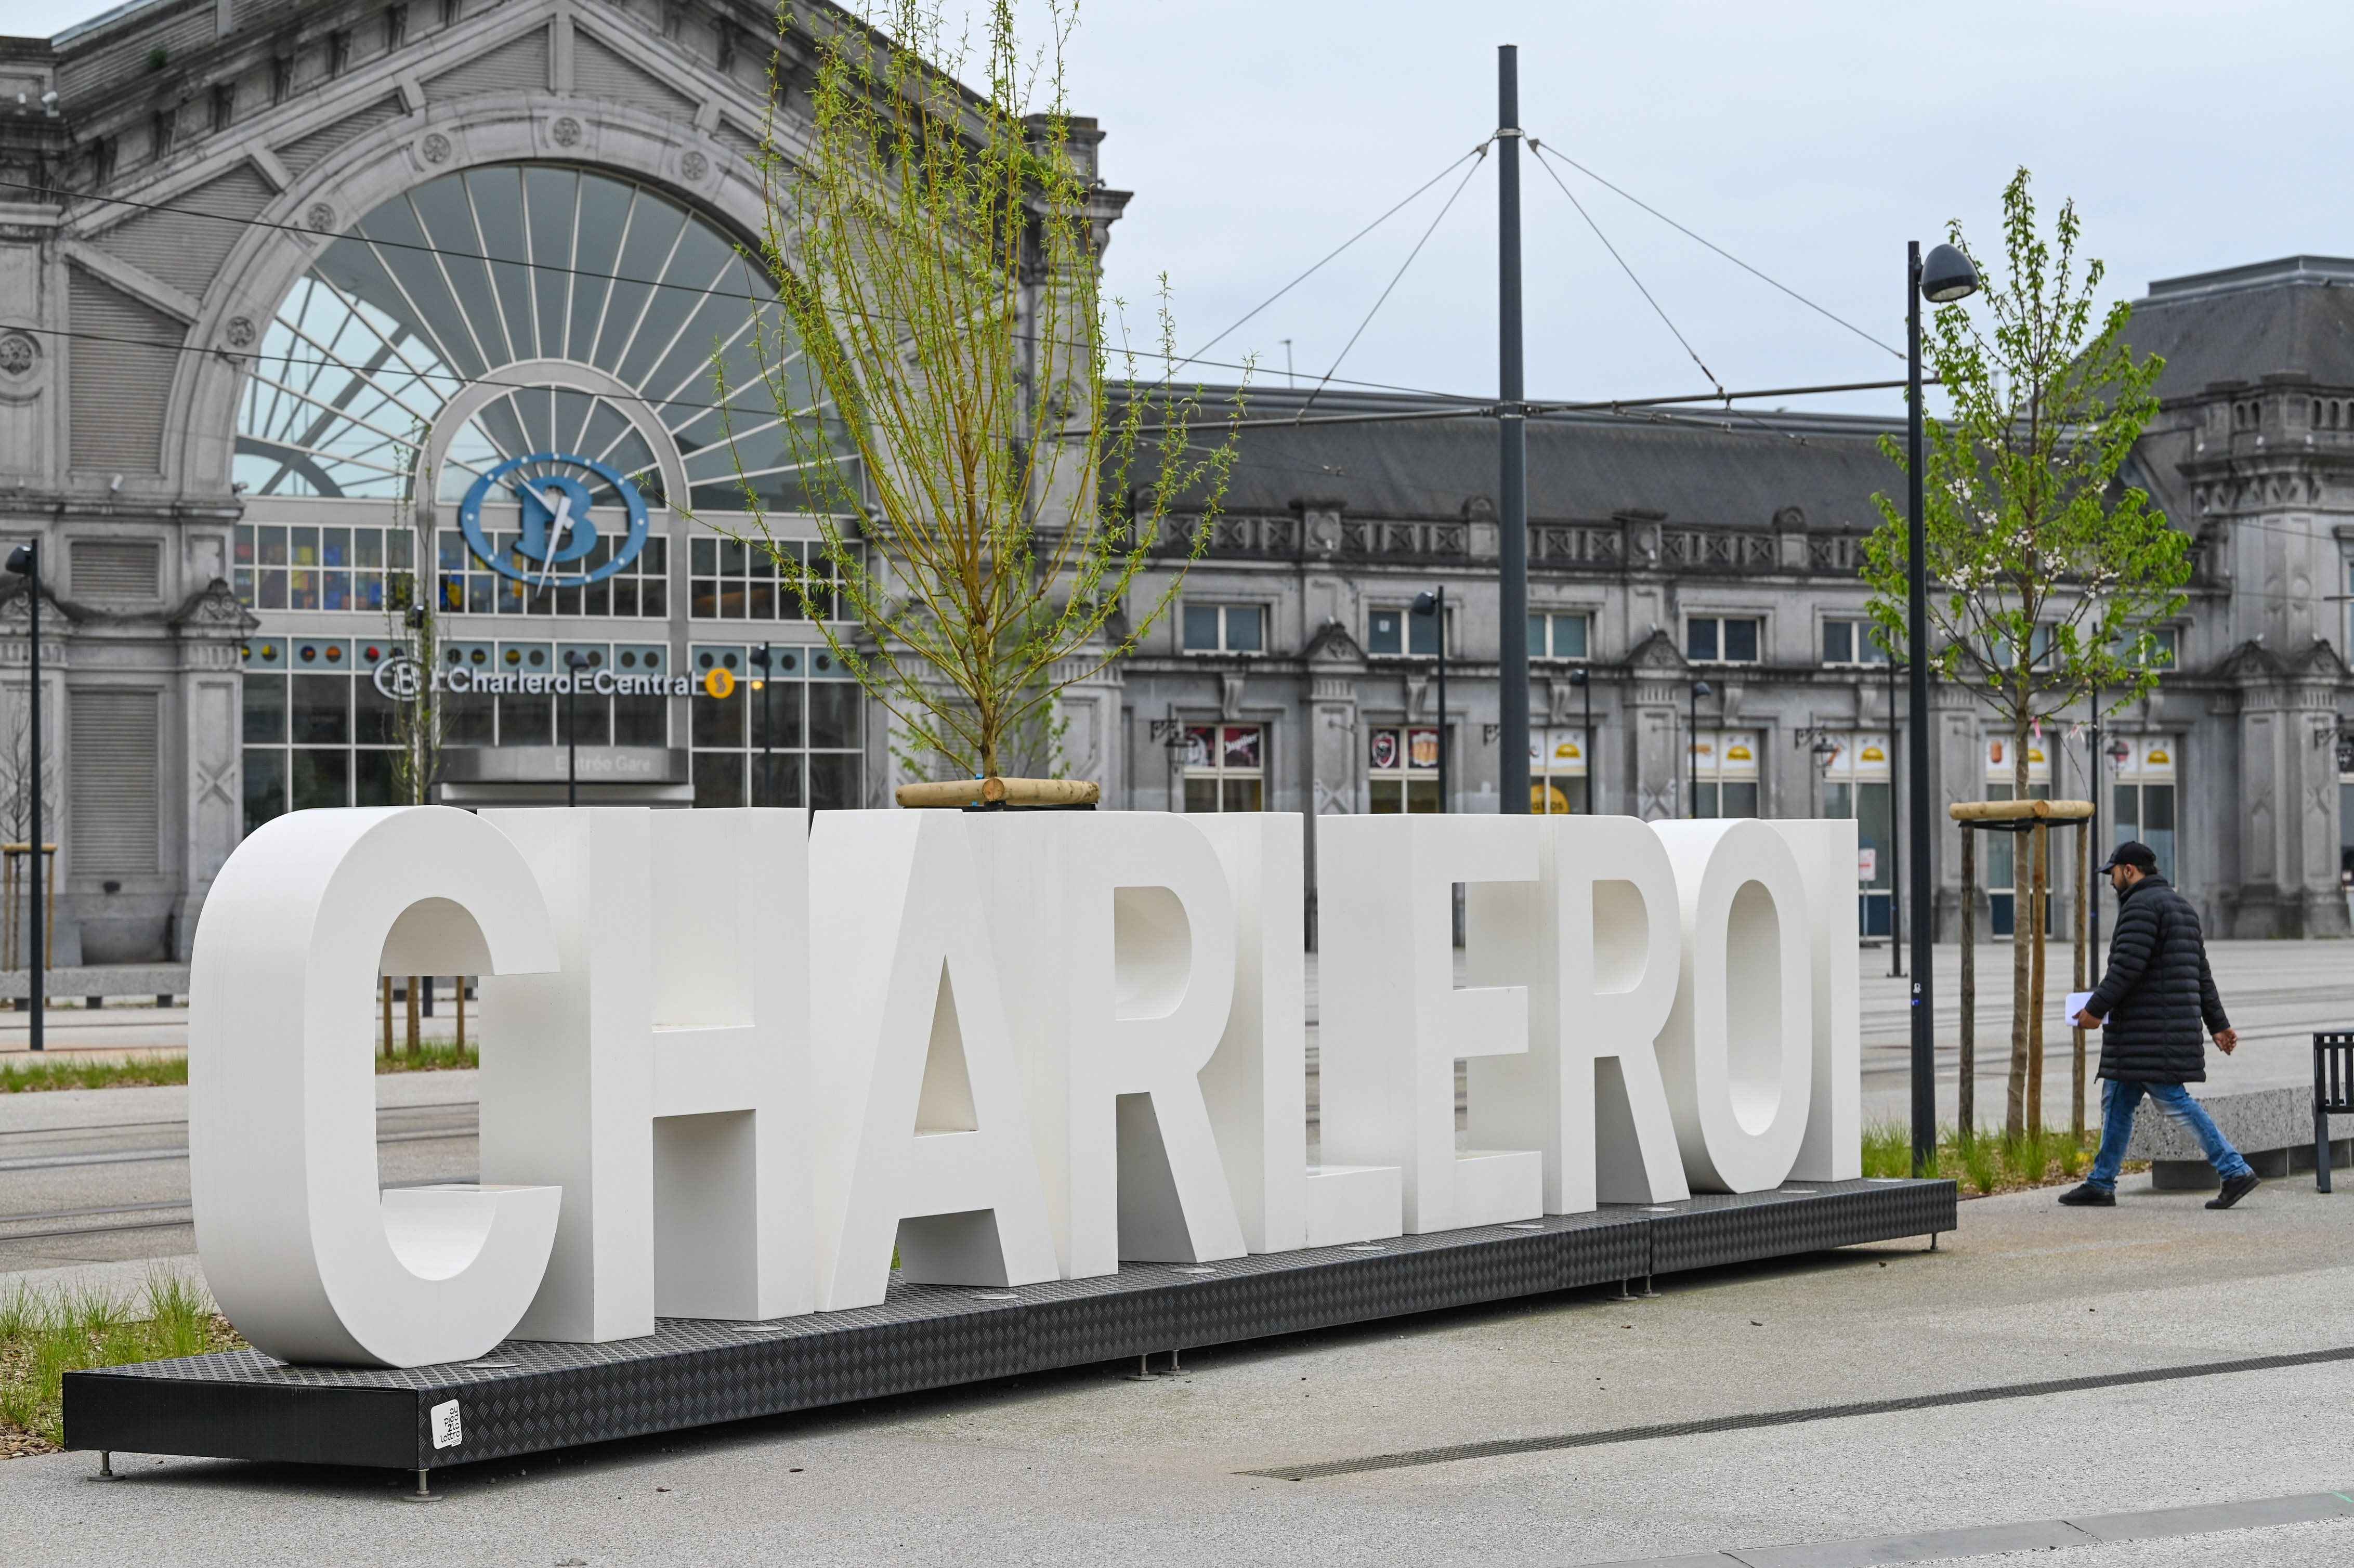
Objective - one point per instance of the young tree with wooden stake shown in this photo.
(416, 719)
(2047, 572)
(944, 383)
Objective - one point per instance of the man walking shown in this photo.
(2150, 1008)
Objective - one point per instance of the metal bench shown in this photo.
(2333, 1094)
(2280, 1132)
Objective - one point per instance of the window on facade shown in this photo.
(1858, 782)
(1402, 766)
(2002, 863)
(1853, 642)
(1724, 775)
(397, 316)
(2144, 799)
(1560, 635)
(792, 736)
(1721, 638)
(319, 565)
(1557, 775)
(471, 718)
(2003, 652)
(1400, 631)
(316, 730)
(731, 579)
(640, 588)
(1224, 628)
(1225, 768)
(2163, 652)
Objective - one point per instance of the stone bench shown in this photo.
(2272, 1127)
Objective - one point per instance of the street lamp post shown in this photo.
(1691, 743)
(25, 561)
(1434, 604)
(1584, 684)
(576, 661)
(768, 726)
(1896, 840)
(1944, 276)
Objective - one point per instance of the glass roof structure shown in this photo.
(442, 289)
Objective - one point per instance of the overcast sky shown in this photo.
(1811, 140)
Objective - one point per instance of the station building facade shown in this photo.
(281, 286)
(285, 287)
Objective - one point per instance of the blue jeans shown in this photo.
(2118, 1102)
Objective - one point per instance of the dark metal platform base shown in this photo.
(531, 1395)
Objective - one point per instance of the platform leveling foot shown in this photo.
(1144, 1372)
(1646, 1293)
(1624, 1293)
(423, 1493)
(1933, 1240)
(105, 1465)
(1172, 1368)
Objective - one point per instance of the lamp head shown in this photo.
(761, 658)
(1946, 275)
(1702, 689)
(1577, 676)
(1425, 602)
(21, 561)
(574, 660)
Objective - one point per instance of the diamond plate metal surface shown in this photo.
(528, 1396)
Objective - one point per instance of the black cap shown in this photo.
(2135, 854)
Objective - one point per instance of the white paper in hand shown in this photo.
(2077, 1002)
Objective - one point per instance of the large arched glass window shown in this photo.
(441, 290)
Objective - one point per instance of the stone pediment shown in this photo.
(213, 611)
(1333, 645)
(1657, 655)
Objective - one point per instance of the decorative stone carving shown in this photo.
(435, 148)
(321, 217)
(695, 167)
(240, 332)
(18, 354)
(566, 132)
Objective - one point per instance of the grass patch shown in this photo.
(25, 1075)
(44, 1336)
(432, 1056)
(31, 1075)
(1989, 1162)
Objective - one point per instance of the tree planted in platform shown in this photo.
(945, 382)
(2047, 572)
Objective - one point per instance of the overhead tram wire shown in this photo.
(1388, 289)
(1174, 361)
(1478, 152)
(1543, 151)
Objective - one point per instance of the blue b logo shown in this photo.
(556, 528)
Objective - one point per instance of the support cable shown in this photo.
(1657, 309)
(1481, 153)
(1545, 152)
(1478, 152)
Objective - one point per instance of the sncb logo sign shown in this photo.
(556, 525)
(678, 1123)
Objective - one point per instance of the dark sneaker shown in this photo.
(2089, 1197)
(2237, 1187)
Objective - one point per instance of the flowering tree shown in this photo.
(2046, 572)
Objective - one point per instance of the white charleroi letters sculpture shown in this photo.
(1115, 939)
(301, 1247)
(1832, 1149)
(740, 1058)
(1737, 1053)
(922, 1136)
(661, 1078)
(1394, 1022)
(1595, 940)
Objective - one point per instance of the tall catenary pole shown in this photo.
(37, 928)
(1916, 772)
(1895, 841)
(1512, 586)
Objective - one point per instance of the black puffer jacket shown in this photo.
(2158, 991)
